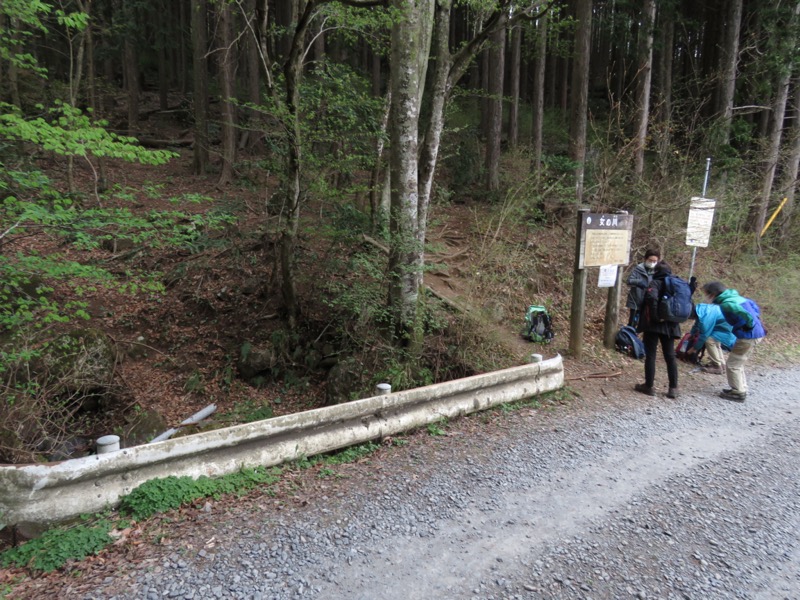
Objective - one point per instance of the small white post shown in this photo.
(383, 388)
(536, 358)
(107, 444)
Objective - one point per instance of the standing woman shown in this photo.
(639, 279)
(657, 332)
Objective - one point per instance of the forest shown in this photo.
(275, 204)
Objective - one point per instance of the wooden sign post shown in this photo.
(601, 240)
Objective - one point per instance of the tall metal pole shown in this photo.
(705, 187)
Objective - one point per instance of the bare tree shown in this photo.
(513, 111)
(226, 59)
(758, 214)
(200, 81)
(789, 181)
(410, 43)
(497, 53)
(727, 82)
(643, 79)
(580, 92)
(537, 117)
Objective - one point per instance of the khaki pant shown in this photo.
(714, 353)
(736, 360)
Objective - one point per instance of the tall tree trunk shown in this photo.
(131, 66)
(580, 93)
(730, 54)
(644, 77)
(163, 69)
(759, 212)
(182, 62)
(663, 112)
(13, 69)
(537, 108)
(513, 112)
(664, 86)
(485, 59)
(376, 74)
(377, 216)
(101, 179)
(437, 95)
(563, 90)
(789, 181)
(551, 78)
(75, 76)
(226, 54)
(410, 44)
(497, 53)
(787, 49)
(200, 85)
(293, 73)
(253, 70)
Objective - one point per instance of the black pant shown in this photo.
(651, 341)
(633, 319)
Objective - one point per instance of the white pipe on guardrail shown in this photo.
(195, 418)
(107, 443)
(383, 388)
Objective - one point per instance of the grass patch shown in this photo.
(167, 493)
(55, 547)
(561, 396)
(340, 457)
(437, 427)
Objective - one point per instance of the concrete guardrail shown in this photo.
(32, 496)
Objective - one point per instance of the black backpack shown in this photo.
(628, 342)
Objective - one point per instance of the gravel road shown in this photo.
(628, 497)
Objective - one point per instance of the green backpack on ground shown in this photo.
(538, 325)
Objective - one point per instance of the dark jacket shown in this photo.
(649, 320)
(638, 280)
(742, 313)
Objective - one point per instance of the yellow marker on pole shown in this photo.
(772, 218)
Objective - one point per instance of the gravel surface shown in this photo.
(621, 497)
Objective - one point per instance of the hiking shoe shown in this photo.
(644, 389)
(672, 393)
(714, 370)
(729, 394)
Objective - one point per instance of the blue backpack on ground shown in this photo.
(628, 342)
(675, 303)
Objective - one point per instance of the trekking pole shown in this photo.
(703, 195)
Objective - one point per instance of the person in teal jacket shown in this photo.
(744, 317)
(713, 332)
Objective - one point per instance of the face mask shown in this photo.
(650, 265)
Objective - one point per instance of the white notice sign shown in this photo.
(701, 216)
(608, 276)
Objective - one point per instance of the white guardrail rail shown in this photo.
(33, 496)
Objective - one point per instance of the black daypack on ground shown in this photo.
(628, 342)
(675, 302)
(538, 325)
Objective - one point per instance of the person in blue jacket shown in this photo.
(744, 317)
(713, 332)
